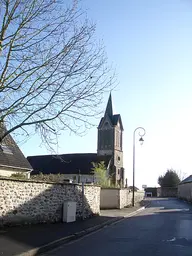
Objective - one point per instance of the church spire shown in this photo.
(109, 108)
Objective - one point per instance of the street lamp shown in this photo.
(141, 134)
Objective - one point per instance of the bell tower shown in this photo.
(106, 131)
(110, 142)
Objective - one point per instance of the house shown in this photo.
(131, 188)
(185, 189)
(12, 159)
(79, 166)
(151, 191)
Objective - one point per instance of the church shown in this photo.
(78, 167)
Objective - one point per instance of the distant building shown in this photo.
(79, 166)
(151, 191)
(12, 159)
(185, 189)
(131, 188)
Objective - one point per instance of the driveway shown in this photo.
(165, 228)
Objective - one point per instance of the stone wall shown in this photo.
(116, 198)
(185, 191)
(124, 198)
(35, 202)
(167, 192)
(139, 196)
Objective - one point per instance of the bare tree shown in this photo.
(52, 71)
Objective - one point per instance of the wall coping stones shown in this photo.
(46, 182)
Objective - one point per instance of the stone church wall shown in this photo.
(36, 202)
(116, 198)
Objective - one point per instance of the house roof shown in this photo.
(66, 163)
(187, 180)
(131, 188)
(15, 157)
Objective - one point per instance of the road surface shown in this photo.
(165, 228)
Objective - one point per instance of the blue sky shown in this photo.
(150, 45)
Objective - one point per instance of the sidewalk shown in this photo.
(35, 239)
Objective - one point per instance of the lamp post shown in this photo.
(141, 134)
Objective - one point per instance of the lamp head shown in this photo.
(141, 140)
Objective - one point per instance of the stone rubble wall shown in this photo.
(116, 198)
(125, 198)
(36, 202)
(139, 196)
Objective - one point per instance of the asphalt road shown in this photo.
(163, 229)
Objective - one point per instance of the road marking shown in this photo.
(171, 240)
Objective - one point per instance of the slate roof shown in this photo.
(131, 188)
(109, 108)
(16, 159)
(187, 180)
(66, 163)
(114, 119)
(109, 112)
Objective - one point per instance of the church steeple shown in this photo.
(110, 143)
(109, 108)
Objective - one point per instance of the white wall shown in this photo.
(115, 198)
(8, 172)
(83, 177)
(109, 198)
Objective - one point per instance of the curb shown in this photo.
(56, 243)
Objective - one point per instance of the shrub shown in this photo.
(100, 174)
(48, 177)
(18, 175)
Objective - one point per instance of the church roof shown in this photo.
(114, 120)
(10, 153)
(109, 112)
(66, 163)
(109, 108)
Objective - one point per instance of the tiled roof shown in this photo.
(66, 163)
(16, 159)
